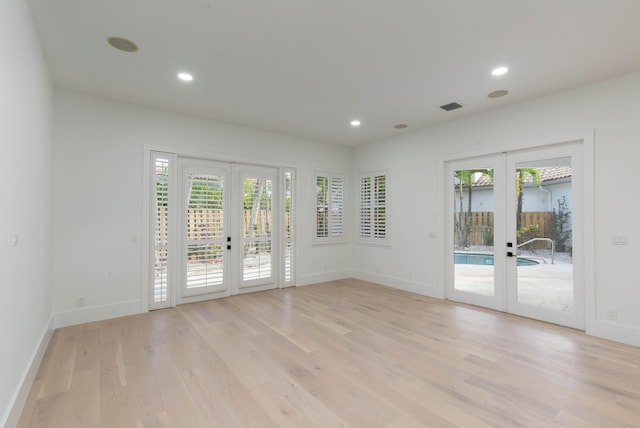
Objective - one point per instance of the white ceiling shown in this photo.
(307, 67)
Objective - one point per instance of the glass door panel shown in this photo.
(515, 222)
(473, 225)
(259, 227)
(204, 254)
(473, 231)
(541, 223)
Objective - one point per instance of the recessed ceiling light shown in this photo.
(498, 94)
(185, 77)
(400, 126)
(355, 123)
(122, 44)
(499, 71)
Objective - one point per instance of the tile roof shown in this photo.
(548, 173)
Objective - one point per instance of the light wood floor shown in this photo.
(345, 353)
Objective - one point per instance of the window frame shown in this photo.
(335, 224)
(378, 230)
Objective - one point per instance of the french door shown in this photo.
(204, 254)
(257, 243)
(219, 229)
(515, 222)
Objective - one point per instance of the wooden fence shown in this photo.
(481, 228)
(201, 220)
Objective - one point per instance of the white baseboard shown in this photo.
(20, 397)
(401, 284)
(617, 332)
(96, 313)
(317, 278)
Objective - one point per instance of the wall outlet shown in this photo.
(79, 302)
(612, 314)
(619, 240)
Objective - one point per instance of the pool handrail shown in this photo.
(553, 246)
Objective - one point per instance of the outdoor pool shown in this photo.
(486, 259)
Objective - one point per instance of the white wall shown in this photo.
(98, 160)
(610, 108)
(25, 183)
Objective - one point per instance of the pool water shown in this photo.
(486, 259)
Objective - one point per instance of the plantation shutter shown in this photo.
(322, 207)
(373, 208)
(337, 207)
(329, 207)
(288, 228)
(160, 222)
(205, 233)
(365, 207)
(380, 207)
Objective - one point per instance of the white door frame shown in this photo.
(239, 284)
(574, 318)
(224, 169)
(587, 274)
(173, 154)
(498, 300)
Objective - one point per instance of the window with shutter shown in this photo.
(288, 227)
(329, 207)
(205, 232)
(160, 213)
(373, 207)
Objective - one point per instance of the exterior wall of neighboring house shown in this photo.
(535, 199)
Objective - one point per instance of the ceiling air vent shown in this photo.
(450, 106)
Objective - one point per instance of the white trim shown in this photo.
(328, 243)
(617, 332)
(516, 146)
(373, 244)
(19, 398)
(589, 226)
(317, 278)
(214, 156)
(430, 290)
(145, 274)
(96, 313)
